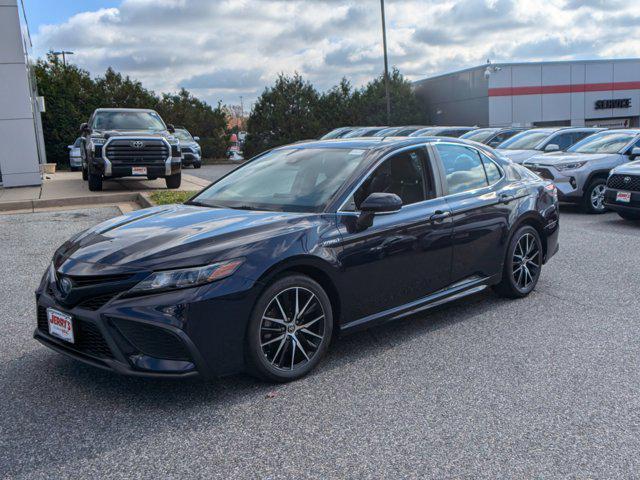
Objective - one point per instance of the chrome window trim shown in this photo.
(108, 170)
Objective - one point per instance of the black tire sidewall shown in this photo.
(174, 181)
(508, 264)
(256, 361)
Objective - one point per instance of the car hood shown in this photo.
(173, 236)
(518, 156)
(631, 168)
(565, 157)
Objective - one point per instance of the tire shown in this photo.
(197, 165)
(173, 181)
(515, 283)
(629, 215)
(74, 169)
(95, 182)
(277, 348)
(589, 202)
(85, 174)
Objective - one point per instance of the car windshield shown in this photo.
(289, 179)
(127, 120)
(183, 135)
(424, 132)
(335, 133)
(480, 135)
(77, 142)
(607, 142)
(526, 140)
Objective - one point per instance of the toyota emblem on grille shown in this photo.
(65, 286)
(626, 179)
(137, 144)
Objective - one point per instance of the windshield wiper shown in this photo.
(196, 203)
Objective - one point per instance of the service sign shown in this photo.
(614, 103)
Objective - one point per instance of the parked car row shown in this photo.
(589, 165)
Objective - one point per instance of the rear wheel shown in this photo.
(630, 215)
(290, 329)
(197, 165)
(173, 181)
(522, 265)
(593, 200)
(95, 182)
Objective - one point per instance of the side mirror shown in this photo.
(84, 128)
(197, 139)
(635, 152)
(171, 128)
(69, 147)
(552, 147)
(377, 203)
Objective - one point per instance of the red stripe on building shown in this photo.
(575, 88)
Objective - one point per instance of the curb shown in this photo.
(64, 202)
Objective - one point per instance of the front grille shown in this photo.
(95, 303)
(89, 280)
(154, 152)
(88, 339)
(187, 150)
(617, 182)
(153, 341)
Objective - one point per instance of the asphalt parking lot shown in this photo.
(543, 387)
(211, 172)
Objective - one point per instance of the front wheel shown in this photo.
(85, 174)
(522, 265)
(95, 182)
(593, 200)
(173, 181)
(197, 165)
(290, 329)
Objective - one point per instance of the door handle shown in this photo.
(506, 198)
(439, 215)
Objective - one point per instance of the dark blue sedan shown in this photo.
(260, 270)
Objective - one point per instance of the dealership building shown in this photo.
(577, 93)
(21, 139)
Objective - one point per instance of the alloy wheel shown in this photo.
(526, 261)
(292, 328)
(597, 197)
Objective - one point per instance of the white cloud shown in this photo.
(221, 49)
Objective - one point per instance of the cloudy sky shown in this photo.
(221, 49)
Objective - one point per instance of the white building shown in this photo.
(21, 142)
(578, 93)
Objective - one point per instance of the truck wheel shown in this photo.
(95, 182)
(593, 200)
(173, 181)
(85, 175)
(197, 165)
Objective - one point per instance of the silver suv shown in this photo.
(529, 143)
(580, 173)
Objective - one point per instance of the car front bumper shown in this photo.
(189, 158)
(570, 184)
(613, 204)
(184, 333)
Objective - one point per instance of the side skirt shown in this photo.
(453, 292)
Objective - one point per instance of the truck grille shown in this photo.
(153, 152)
(617, 182)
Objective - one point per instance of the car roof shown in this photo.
(125, 110)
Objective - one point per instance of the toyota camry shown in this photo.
(259, 271)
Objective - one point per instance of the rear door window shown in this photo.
(463, 168)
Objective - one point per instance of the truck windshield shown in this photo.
(127, 120)
(287, 180)
(607, 142)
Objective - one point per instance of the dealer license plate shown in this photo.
(60, 325)
(624, 197)
(138, 170)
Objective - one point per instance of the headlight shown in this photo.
(570, 166)
(187, 277)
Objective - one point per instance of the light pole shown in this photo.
(386, 64)
(64, 53)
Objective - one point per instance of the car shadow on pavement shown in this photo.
(62, 411)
